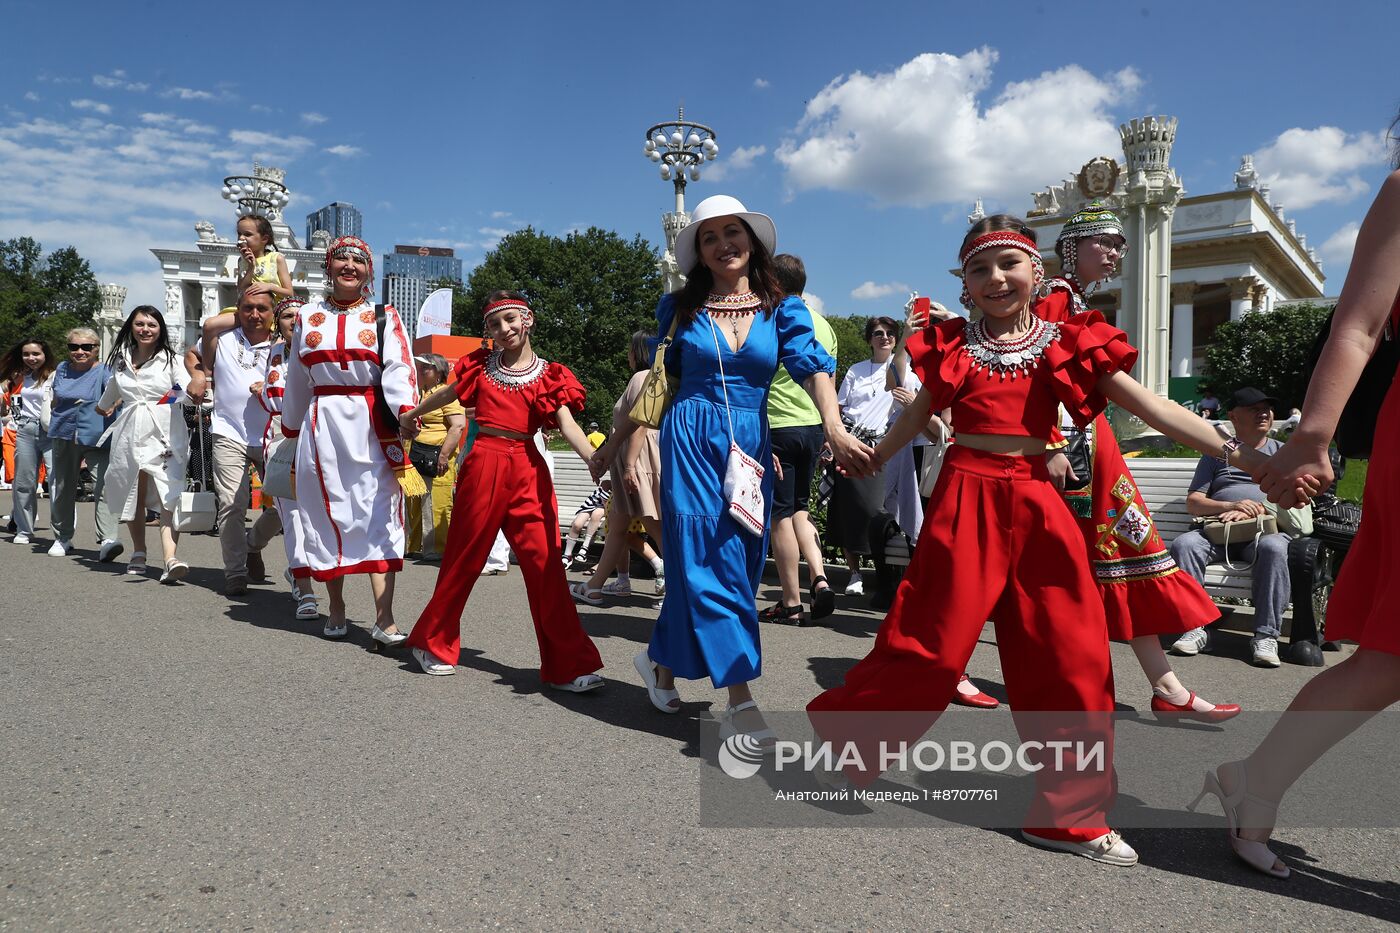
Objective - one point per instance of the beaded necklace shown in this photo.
(338, 307)
(513, 379)
(734, 307)
(1016, 357)
(245, 348)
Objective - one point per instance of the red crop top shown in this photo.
(987, 402)
(524, 406)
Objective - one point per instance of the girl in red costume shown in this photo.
(1000, 542)
(1145, 594)
(515, 392)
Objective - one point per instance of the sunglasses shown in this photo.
(88, 347)
(880, 333)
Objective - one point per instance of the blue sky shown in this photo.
(864, 131)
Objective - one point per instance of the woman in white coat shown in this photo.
(150, 443)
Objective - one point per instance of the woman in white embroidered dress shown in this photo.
(150, 443)
(342, 360)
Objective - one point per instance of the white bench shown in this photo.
(572, 485)
(1164, 483)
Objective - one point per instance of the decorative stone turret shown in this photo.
(109, 320)
(672, 222)
(977, 212)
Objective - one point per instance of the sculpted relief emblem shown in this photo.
(1098, 177)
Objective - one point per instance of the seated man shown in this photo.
(1230, 494)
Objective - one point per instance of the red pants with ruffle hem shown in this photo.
(998, 543)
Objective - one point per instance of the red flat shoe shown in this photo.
(978, 700)
(1165, 709)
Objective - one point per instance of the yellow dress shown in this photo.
(434, 432)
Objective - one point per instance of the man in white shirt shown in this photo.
(238, 424)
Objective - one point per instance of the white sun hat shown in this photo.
(721, 205)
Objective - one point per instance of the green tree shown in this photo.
(590, 291)
(1267, 351)
(43, 296)
(850, 342)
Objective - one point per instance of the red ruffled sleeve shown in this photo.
(466, 374)
(559, 388)
(1089, 348)
(935, 355)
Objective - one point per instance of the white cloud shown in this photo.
(924, 133)
(495, 232)
(30, 95)
(1340, 245)
(868, 290)
(760, 82)
(1318, 166)
(184, 93)
(814, 302)
(94, 106)
(260, 145)
(260, 108)
(730, 164)
(314, 118)
(117, 79)
(113, 189)
(344, 151)
(500, 215)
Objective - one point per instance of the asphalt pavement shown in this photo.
(174, 759)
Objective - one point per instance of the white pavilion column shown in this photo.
(1183, 327)
(1241, 295)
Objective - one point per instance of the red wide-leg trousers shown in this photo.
(998, 543)
(505, 486)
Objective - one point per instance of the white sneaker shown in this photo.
(432, 665)
(856, 587)
(21, 538)
(60, 548)
(1265, 651)
(109, 550)
(1191, 643)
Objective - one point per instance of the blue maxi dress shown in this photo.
(708, 625)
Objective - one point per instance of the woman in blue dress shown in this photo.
(733, 317)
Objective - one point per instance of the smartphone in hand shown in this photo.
(920, 315)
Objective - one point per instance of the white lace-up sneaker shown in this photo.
(1265, 651)
(60, 548)
(856, 587)
(1192, 642)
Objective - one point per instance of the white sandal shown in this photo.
(1256, 855)
(661, 699)
(581, 684)
(136, 567)
(306, 606)
(767, 739)
(581, 593)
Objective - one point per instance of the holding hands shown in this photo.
(1291, 477)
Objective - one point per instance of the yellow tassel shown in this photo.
(411, 481)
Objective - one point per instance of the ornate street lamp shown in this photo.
(679, 146)
(262, 193)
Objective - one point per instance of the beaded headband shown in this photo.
(291, 301)
(504, 304)
(995, 240)
(352, 246)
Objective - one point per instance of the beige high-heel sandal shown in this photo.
(1256, 855)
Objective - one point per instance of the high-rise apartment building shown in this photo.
(409, 273)
(338, 218)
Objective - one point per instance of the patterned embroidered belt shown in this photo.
(1142, 567)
